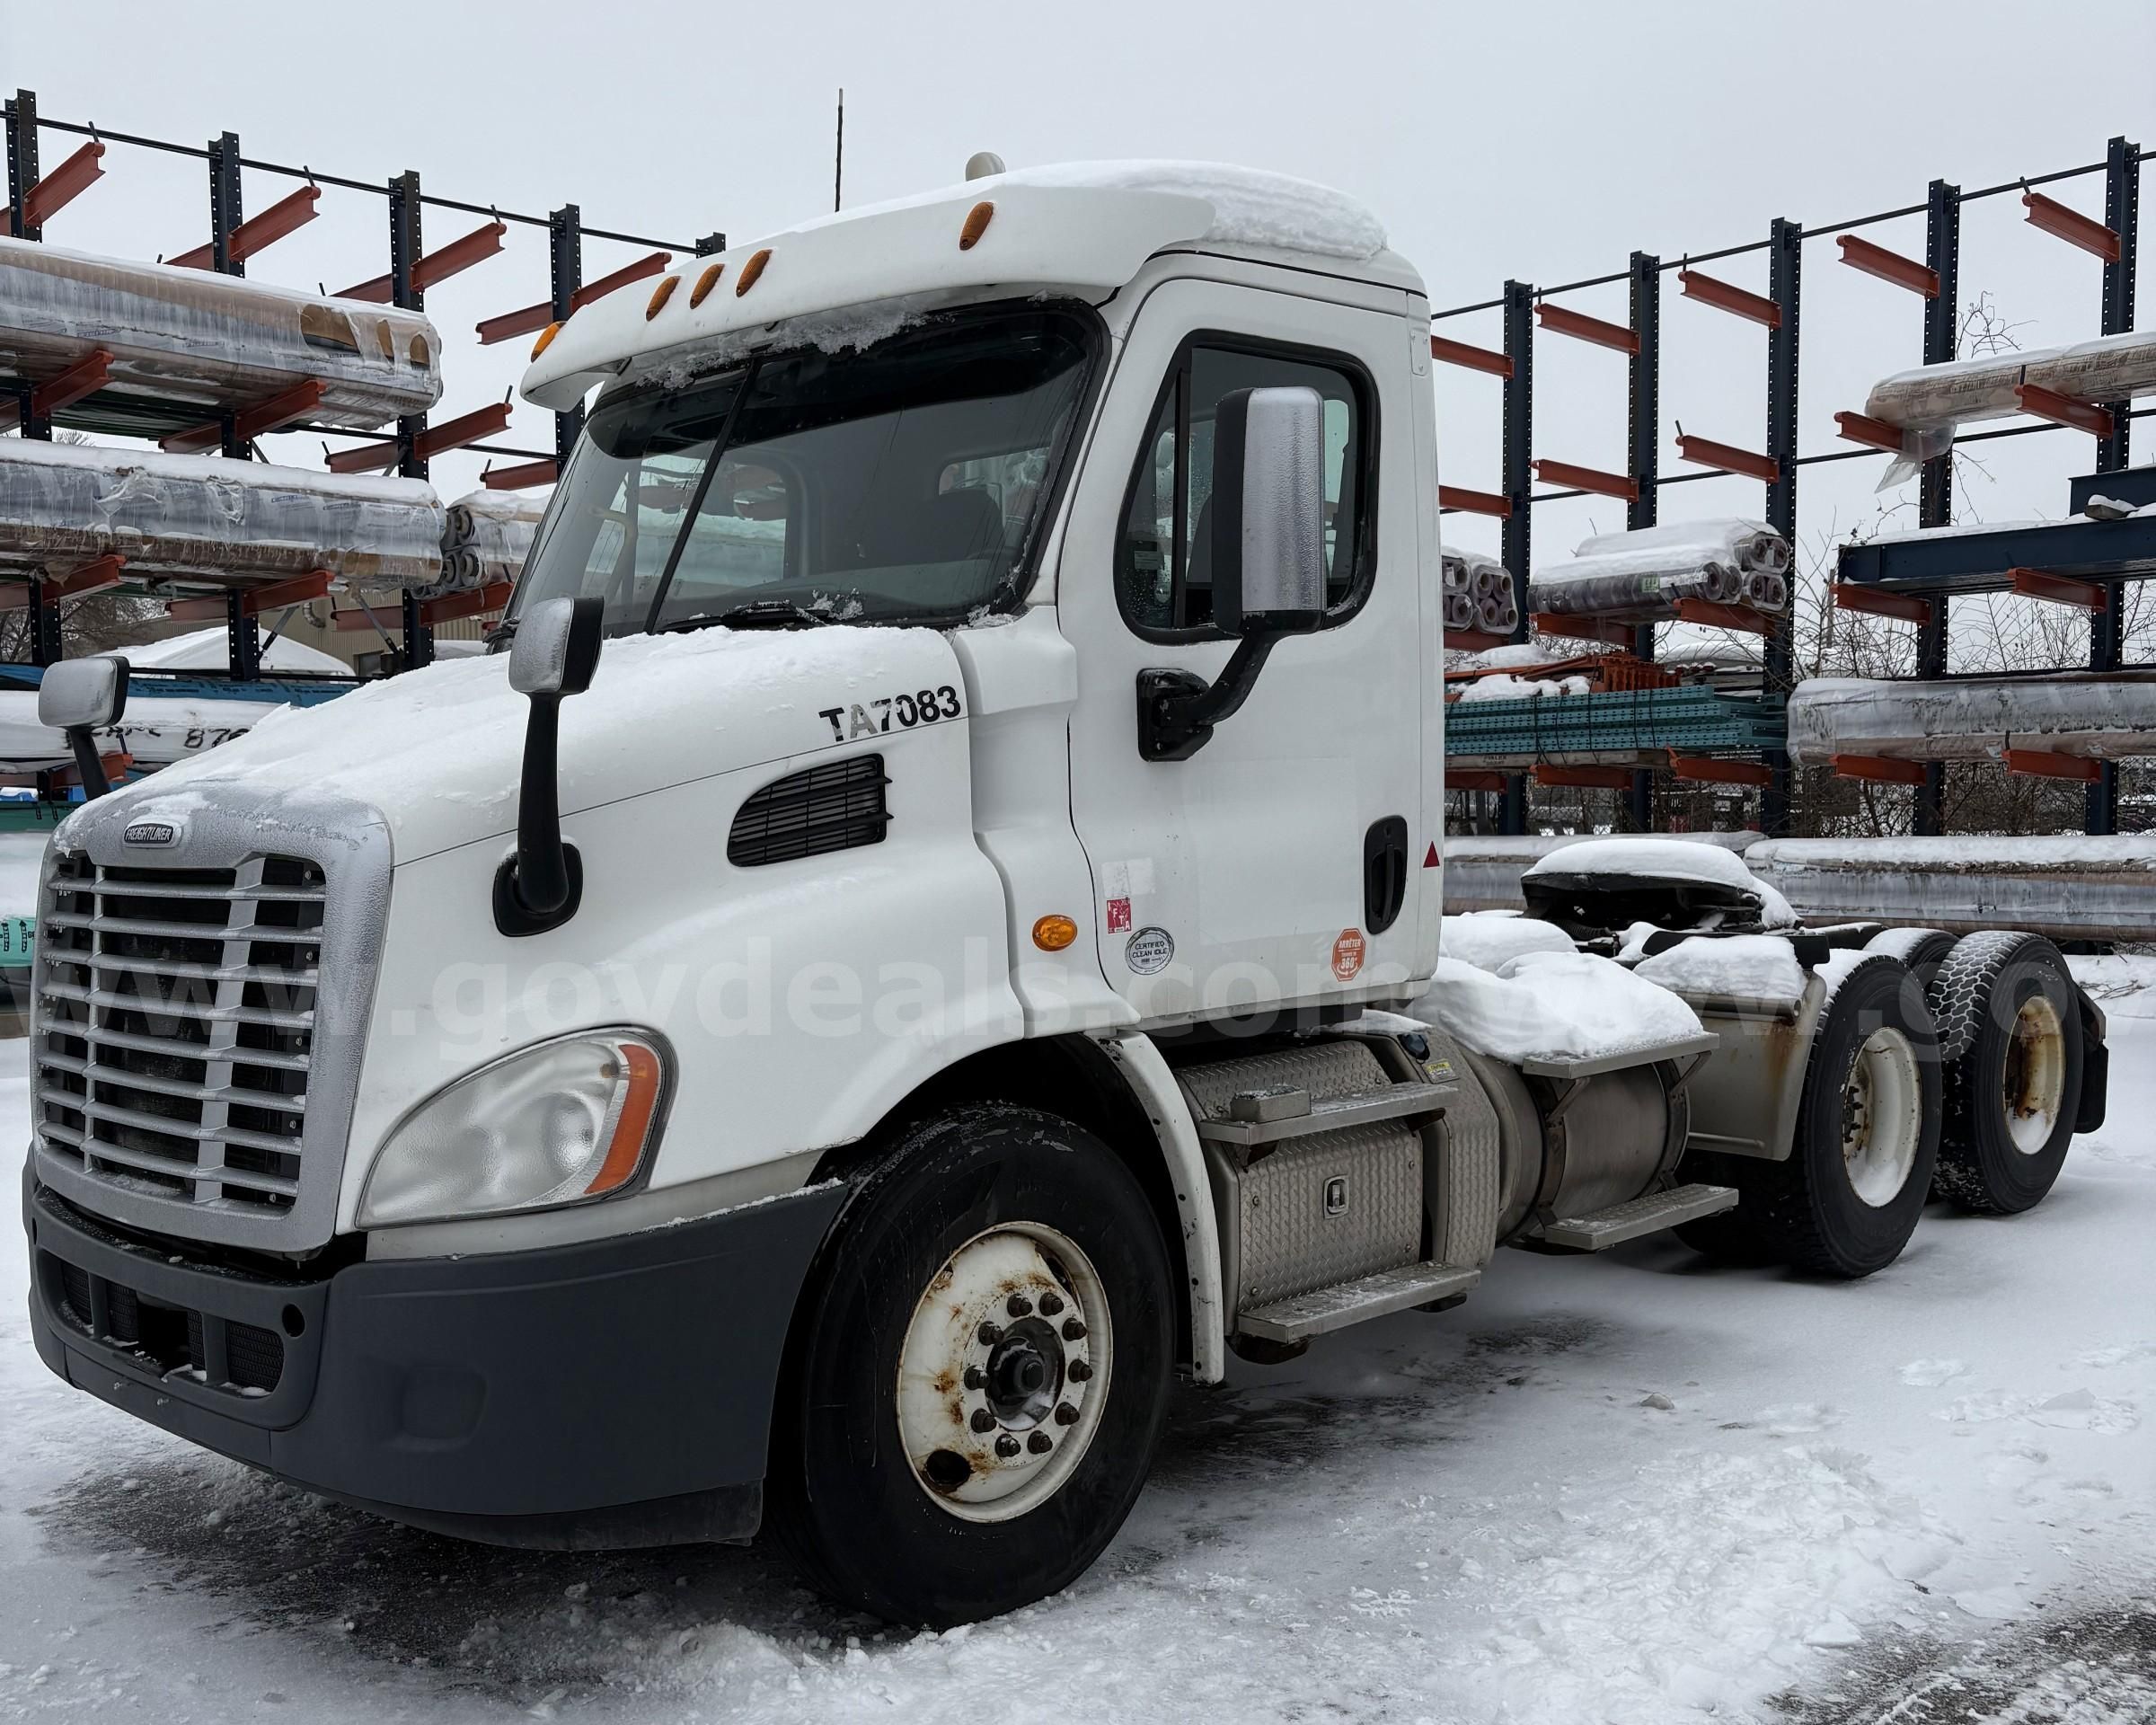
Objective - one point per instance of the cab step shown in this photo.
(1600, 1229)
(1325, 1309)
(1273, 1115)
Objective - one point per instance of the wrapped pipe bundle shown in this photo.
(1637, 576)
(204, 518)
(200, 340)
(485, 539)
(1970, 719)
(1484, 589)
(1965, 392)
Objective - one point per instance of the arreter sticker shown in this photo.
(1348, 954)
(1148, 951)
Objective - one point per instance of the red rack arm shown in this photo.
(1877, 769)
(278, 411)
(478, 601)
(276, 596)
(1705, 769)
(1560, 321)
(56, 190)
(509, 325)
(466, 428)
(1584, 778)
(90, 578)
(2064, 410)
(1724, 616)
(649, 264)
(2070, 226)
(1458, 353)
(2058, 589)
(85, 377)
(459, 255)
(1458, 496)
(1859, 429)
(365, 457)
(2048, 763)
(1601, 629)
(1621, 486)
(524, 473)
(1888, 266)
(258, 233)
(1903, 608)
(1473, 778)
(1709, 290)
(1705, 452)
(1474, 641)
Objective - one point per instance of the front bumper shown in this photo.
(610, 1392)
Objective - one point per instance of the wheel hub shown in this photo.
(2033, 1085)
(1880, 1123)
(1004, 1372)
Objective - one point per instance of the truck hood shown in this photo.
(440, 751)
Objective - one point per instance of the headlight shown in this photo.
(561, 1123)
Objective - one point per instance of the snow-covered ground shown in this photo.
(1629, 1489)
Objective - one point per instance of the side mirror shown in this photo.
(554, 655)
(1268, 512)
(1269, 560)
(81, 696)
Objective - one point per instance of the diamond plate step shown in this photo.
(1367, 1296)
(1360, 1108)
(1602, 1229)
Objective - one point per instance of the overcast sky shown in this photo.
(1544, 141)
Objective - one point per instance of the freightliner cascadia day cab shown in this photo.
(907, 949)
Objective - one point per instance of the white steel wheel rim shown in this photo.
(2034, 1085)
(1881, 1118)
(1005, 1372)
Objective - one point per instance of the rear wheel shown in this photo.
(2010, 1039)
(1866, 1137)
(982, 1374)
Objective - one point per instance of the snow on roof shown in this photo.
(1552, 1005)
(1084, 227)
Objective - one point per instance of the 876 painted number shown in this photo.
(922, 707)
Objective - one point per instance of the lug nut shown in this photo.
(1040, 1443)
(1065, 1414)
(989, 1334)
(1019, 1306)
(976, 1378)
(1072, 1330)
(984, 1421)
(1006, 1445)
(1050, 1304)
(1078, 1371)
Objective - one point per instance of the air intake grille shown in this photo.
(831, 808)
(176, 1026)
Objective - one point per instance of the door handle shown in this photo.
(1384, 873)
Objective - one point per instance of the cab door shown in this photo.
(1278, 864)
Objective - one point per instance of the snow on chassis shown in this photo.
(933, 927)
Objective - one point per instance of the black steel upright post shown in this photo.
(1935, 489)
(405, 246)
(1519, 493)
(22, 179)
(2107, 628)
(243, 632)
(1785, 257)
(1644, 456)
(565, 272)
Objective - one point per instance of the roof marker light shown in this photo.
(660, 295)
(976, 224)
(546, 337)
(708, 280)
(750, 271)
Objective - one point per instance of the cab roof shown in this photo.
(1082, 227)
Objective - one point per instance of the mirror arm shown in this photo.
(539, 888)
(1178, 709)
(88, 765)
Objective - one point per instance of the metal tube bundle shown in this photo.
(485, 539)
(1478, 594)
(195, 338)
(1972, 719)
(1963, 391)
(1638, 576)
(203, 519)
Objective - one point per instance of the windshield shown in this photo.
(905, 481)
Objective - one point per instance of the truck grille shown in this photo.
(176, 1012)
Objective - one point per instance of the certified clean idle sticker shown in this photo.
(1148, 951)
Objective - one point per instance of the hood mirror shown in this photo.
(554, 655)
(81, 696)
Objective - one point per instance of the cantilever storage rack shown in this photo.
(83, 398)
(1922, 598)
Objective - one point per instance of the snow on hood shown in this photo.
(439, 751)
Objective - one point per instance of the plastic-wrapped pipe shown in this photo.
(196, 337)
(1972, 719)
(1965, 392)
(204, 518)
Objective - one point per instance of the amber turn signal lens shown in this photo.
(633, 1125)
(1053, 933)
(751, 270)
(708, 280)
(976, 224)
(545, 339)
(660, 295)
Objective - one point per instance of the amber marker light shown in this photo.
(1053, 933)
(546, 340)
(750, 271)
(708, 280)
(660, 295)
(633, 1125)
(976, 224)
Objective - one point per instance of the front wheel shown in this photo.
(981, 1376)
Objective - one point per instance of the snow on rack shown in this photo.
(1552, 1005)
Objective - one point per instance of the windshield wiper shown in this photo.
(754, 614)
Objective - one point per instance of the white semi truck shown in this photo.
(907, 951)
